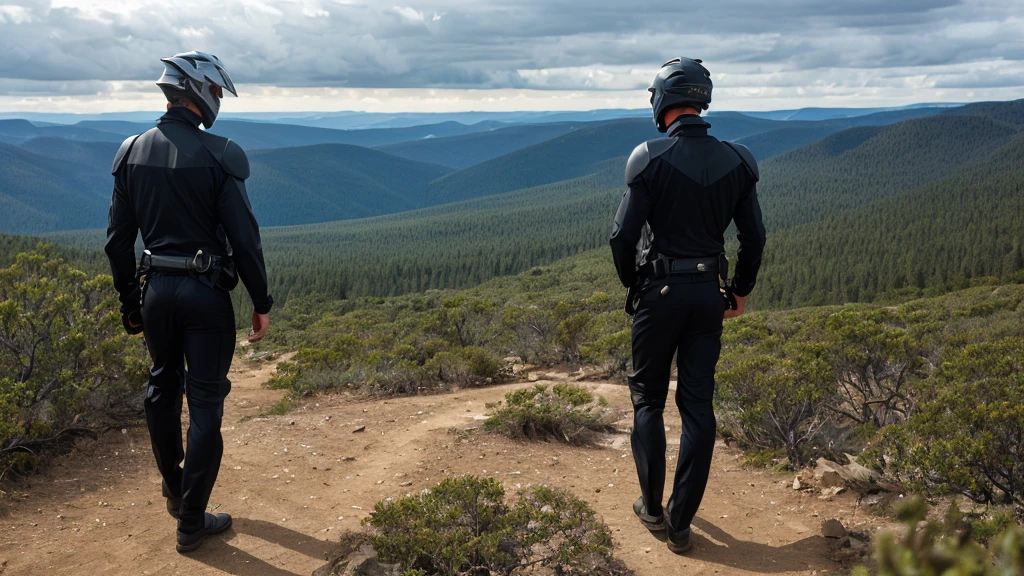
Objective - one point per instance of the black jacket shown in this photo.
(185, 189)
(682, 193)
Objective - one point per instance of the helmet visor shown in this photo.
(225, 82)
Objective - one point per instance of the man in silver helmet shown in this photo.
(668, 244)
(184, 189)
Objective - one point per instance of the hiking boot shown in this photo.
(679, 542)
(174, 507)
(652, 523)
(215, 524)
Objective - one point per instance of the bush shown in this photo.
(465, 526)
(780, 402)
(566, 413)
(966, 434)
(67, 365)
(943, 549)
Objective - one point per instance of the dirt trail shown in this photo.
(293, 483)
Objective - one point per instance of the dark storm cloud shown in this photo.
(499, 43)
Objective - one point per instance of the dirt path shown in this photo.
(293, 483)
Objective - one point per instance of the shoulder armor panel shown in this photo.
(122, 153)
(748, 158)
(229, 154)
(643, 154)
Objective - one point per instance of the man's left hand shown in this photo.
(132, 321)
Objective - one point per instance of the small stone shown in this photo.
(797, 484)
(833, 529)
(360, 429)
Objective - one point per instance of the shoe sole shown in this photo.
(183, 548)
(677, 549)
(652, 526)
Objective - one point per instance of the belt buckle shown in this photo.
(201, 269)
(701, 267)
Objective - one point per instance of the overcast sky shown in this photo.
(447, 55)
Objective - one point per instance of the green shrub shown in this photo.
(943, 548)
(966, 434)
(67, 366)
(465, 526)
(566, 413)
(774, 403)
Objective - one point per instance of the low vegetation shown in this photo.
(466, 525)
(565, 413)
(947, 548)
(66, 367)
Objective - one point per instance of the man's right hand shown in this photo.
(260, 325)
(741, 304)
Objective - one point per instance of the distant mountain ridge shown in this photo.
(335, 181)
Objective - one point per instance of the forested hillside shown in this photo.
(470, 149)
(859, 195)
(295, 183)
(18, 131)
(334, 182)
(932, 239)
(857, 166)
(39, 194)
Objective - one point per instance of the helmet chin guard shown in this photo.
(681, 82)
(193, 75)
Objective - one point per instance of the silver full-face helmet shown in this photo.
(199, 77)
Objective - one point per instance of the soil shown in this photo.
(295, 483)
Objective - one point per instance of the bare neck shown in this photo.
(674, 114)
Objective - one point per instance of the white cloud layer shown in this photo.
(293, 53)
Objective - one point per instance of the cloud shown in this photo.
(923, 46)
(409, 13)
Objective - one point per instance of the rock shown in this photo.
(360, 429)
(797, 484)
(857, 544)
(833, 529)
(533, 377)
(362, 562)
(831, 479)
(828, 493)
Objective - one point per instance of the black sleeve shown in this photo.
(750, 233)
(629, 223)
(122, 230)
(243, 232)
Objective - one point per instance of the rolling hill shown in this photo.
(39, 194)
(469, 149)
(18, 131)
(464, 243)
(334, 182)
(857, 166)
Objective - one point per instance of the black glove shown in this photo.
(132, 321)
(632, 299)
(728, 296)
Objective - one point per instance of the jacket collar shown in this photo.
(180, 114)
(689, 125)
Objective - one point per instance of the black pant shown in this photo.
(187, 324)
(687, 319)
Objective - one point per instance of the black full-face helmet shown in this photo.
(680, 82)
(199, 77)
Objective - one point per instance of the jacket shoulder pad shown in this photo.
(122, 153)
(748, 158)
(643, 154)
(228, 153)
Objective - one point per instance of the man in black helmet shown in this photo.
(668, 243)
(185, 190)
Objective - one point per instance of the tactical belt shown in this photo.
(686, 269)
(212, 270)
(184, 265)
